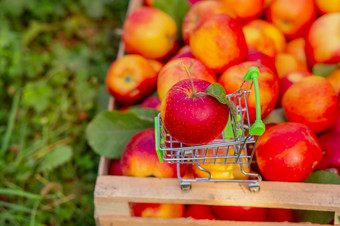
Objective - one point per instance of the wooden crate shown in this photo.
(113, 193)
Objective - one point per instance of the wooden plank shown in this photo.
(103, 168)
(138, 221)
(112, 208)
(290, 195)
(337, 218)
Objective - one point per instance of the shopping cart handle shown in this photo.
(159, 152)
(258, 127)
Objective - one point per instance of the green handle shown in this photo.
(258, 127)
(159, 152)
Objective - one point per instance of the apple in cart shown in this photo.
(288, 152)
(158, 210)
(190, 115)
(139, 158)
(240, 213)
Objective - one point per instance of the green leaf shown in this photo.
(320, 217)
(147, 114)
(108, 132)
(177, 9)
(216, 90)
(323, 177)
(324, 69)
(55, 158)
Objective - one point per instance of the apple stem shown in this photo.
(189, 74)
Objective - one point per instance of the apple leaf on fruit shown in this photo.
(320, 217)
(108, 132)
(177, 9)
(216, 90)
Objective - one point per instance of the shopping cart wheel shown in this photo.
(185, 186)
(255, 187)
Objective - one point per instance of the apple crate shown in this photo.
(113, 194)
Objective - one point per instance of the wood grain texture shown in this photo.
(166, 190)
(138, 221)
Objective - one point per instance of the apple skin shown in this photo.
(173, 72)
(281, 215)
(288, 62)
(255, 55)
(200, 12)
(287, 152)
(334, 79)
(292, 17)
(311, 101)
(327, 6)
(219, 43)
(160, 38)
(322, 40)
(330, 143)
(130, 79)
(287, 80)
(139, 158)
(245, 9)
(197, 211)
(115, 167)
(233, 77)
(185, 51)
(193, 120)
(240, 213)
(158, 210)
(264, 36)
(152, 102)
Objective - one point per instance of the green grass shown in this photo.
(53, 60)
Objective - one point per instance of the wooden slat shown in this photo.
(166, 190)
(103, 168)
(138, 221)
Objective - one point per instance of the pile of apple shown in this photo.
(288, 40)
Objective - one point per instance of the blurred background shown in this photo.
(54, 55)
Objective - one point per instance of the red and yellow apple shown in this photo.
(200, 12)
(197, 211)
(185, 51)
(174, 71)
(219, 43)
(240, 213)
(257, 56)
(130, 79)
(149, 32)
(192, 117)
(139, 157)
(245, 9)
(296, 47)
(330, 143)
(233, 77)
(287, 62)
(323, 40)
(265, 37)
(311, 101)
(292, 17)
(115, 167)
(287, 80)
(158, 210)
(328, 6)
(287, 152)
(152, 102)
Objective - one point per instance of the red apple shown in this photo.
(240, 213)
(245, 9)
(191, 118)
(152, 102)
(115, 167)
(233, 78)
(185, 51)
(322, 40)
(158, 210)
(130, 79)
(311, 101)
(257, 56)
(149, 32)
(139, 158)
(281, 215)
(200, 212)
(330, 143)
(287, 152)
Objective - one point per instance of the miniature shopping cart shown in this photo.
(231, 147)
